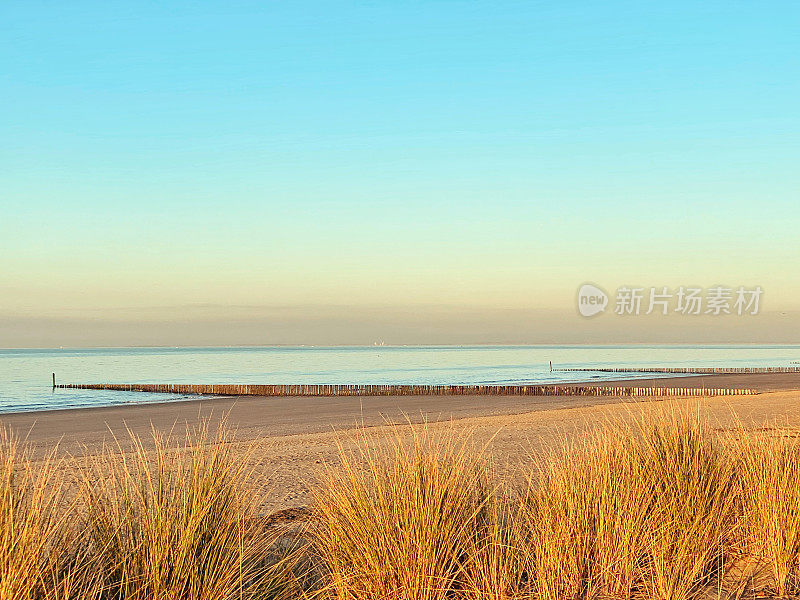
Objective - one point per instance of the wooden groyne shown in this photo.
(406, 390)
(688, 370)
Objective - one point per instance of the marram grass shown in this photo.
(43, 553)
(769, 487)
(659, 506)
(178, 521)
(642, 509)
(399, 518)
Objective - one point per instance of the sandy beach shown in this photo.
(295, 435)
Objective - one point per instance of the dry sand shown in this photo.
(295, 436)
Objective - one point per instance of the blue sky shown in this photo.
(490, 156)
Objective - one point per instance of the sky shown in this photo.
(414, 172)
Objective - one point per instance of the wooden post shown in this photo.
(54, 381)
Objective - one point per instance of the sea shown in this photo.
(26, 374)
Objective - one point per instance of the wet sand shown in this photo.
(295, 435)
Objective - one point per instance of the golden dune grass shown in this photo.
(176, 522)
(179, 523)
(401, 517)
(660, 506)
(642, 509)
(43, 554)
(769, 472)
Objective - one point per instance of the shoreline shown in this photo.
(759, 381)
(288, 415)
(296, 436)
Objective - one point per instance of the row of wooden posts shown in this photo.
(406, 390)
(689, 370)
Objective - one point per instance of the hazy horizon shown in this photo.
(367, 327)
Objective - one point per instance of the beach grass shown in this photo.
(168, 520)
(641, 508)
(769, 487)
(41, 555)
(658, 505)
(180, 521)
(401, 515)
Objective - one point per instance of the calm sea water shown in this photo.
(25, 375)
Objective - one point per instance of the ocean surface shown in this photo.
(26, 384)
